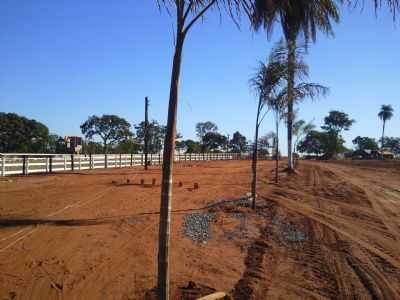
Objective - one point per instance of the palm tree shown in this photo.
(297, 18)
(264, 82)
(301, 90)
(188, 13)
(385, 114)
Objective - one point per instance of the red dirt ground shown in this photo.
(331, 231)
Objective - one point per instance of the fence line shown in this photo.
(28, 163)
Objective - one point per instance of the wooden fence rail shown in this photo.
(28, 163)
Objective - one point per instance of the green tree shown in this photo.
(238, 143)
(191, 146)
(202, 128)
(155, 133)
(22, 135)
(365, 143)
(385, 114)
(214, 141)
(393, 144)
(56, 144)
(128, 145)
(110, 128)
(91, 147)
(334, 124)
(315, 142)
(300, 129)
(298, 18)
(187, 13)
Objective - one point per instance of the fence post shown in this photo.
(131, 159)
(79, 161)
(151, 158)
(72, 163)
(51, 164)
(120, 160)
(105, 161)
(90, 161)
(3, 166)
(65, 162)
(159, 159)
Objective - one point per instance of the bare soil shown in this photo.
(330, 231)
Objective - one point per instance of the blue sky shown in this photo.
(61, 61)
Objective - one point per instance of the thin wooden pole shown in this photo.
(3, 166)
(146, 131)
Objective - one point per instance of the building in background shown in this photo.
(73, 144)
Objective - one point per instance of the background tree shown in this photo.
(334, 124)
(56, 144)
(300, 129)
(91, 147)
(298, 18)
(393, 144)
(238, 143)
(22, 135)
(187, 13)
(128, 145)
(214, 141)
(202, 128)
(365, 143)
(315, 142)
(385, 114)
(192, 146)
(155, 133)
(110, 129)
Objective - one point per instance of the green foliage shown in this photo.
(129, 145)
(56, 144)
(156, 134)
(337, 121)
(202, 128)
(214, 141)
(365, 143)
(386, 113)
(238, 143)
(19, 134)
(91, 147)
(393, 143)
(110, 128)
(190, 146)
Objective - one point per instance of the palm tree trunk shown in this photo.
(255, 156)
(383, 134)
(166, 188)
(277, 149)
(290, 85)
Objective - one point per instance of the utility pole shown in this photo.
(146, 127)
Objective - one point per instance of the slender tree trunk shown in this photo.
(277, 149)
(383, 134)
(168, 159)
(146, 133)
(255, 156)
(290, 85)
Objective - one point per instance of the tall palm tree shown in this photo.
(385, 114)
(188, 13)
(297, 18)
(264, 82)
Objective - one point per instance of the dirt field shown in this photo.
(331, 231)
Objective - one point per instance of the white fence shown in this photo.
(27, 163)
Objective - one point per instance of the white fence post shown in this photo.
(65, 163)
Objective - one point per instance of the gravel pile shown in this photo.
(196, 226)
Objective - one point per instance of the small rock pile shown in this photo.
(196, 226)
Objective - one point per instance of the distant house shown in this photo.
(373, 154)
(73, 144)
(365, 154)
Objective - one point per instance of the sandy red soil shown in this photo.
(331, 231)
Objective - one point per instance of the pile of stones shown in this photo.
(196, 226)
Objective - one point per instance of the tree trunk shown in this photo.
(277, 149)
(383, 134)
(166, 189)
(255, 157)
(290, 85)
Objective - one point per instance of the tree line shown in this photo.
(113, 134)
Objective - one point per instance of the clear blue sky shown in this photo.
(61, 61)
